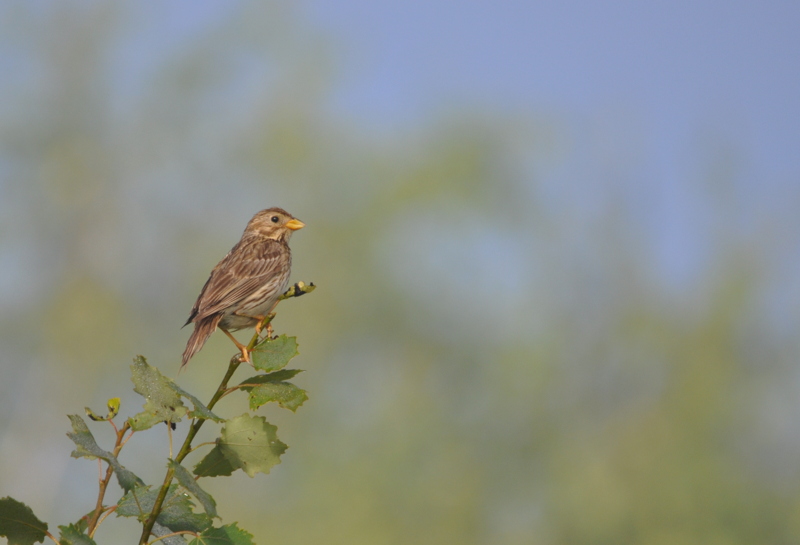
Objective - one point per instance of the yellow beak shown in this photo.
(294, 224)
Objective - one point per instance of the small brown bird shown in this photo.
(245, 286)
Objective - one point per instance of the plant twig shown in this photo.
(193, 429)
(107, 513)
(98, 510)
(173, 534)
(296, 290)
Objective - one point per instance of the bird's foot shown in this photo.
(242, 348)
(259, 323)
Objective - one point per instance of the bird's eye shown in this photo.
(275, 219)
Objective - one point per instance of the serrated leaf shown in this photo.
(88, 448)
(159, 530)
(271, 387)
(214, 464)
(286, 394)
(72, 535)
(137, 502)
(84, 440)
(19, 524)
(273, 354)
(251, 443)
(163, 403)
(230, 534)
(187, 481)
(277, 376)
(200, 410)
(83, 523)
(144, 421)
(177, 515)
(248, 443)
(176, 511)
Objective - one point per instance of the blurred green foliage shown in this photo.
(499, 352)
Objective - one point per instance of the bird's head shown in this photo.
(274, 223)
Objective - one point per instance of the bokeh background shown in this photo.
(556, 246)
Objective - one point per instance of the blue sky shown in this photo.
(674, 72)
(678, 68)
(666, 91)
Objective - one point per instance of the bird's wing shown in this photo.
(248, 266)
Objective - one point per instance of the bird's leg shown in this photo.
(260, 321)
(240, 346)
(271, 315)
(257, 317)
(259, 326)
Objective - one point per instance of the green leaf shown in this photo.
(273, 354)
(83, 523)
(229, 534)
(144, 420)
(277, 376)
(159, 531)
(88, 448)
(19, 524)
(177, 514)
(266, 388)
(251, 443)
(163, 403)
(72, 535)
(176, 511)
(137, 502)
(286, 394)
(200, 410)
(248, 443)
(187, 481)
(214, 464)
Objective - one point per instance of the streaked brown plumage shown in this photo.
(245, 286)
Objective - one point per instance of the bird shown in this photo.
(245, 285)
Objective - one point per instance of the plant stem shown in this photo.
(187, 444)
(295, 290)
(104, 483)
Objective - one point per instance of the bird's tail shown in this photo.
(202, 331)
